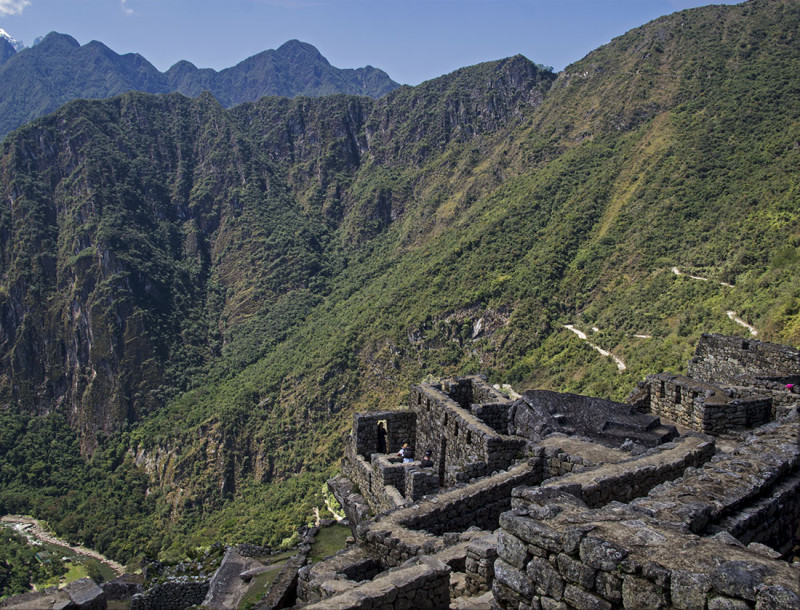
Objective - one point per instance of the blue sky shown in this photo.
(413, 40)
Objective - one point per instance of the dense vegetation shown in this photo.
(206, 296)
(20, 566)
(38, 80)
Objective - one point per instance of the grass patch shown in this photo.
(329, 540)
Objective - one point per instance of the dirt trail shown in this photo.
(677, 271)
(582, 335)
(30, 526)
(731, 314)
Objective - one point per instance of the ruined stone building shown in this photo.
(686, 496)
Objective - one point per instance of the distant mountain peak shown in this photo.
(59, 69)
(54, 38)
(17, 44)
(297, 48)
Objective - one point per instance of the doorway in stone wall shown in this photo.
(442, 453)
(382, 436)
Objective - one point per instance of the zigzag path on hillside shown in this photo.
(731, 314)
(582, 335)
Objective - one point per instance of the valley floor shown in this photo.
(32, 528)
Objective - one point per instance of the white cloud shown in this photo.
(125, 8)
(12, 7)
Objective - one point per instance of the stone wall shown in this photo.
(479, 564)
(555, 552)
(702, 406)
(771, 520)
(782, 398)
(389, 471)
(283, 590)
(418, 530)
(472, 390)
(421, 482)
(376, 480)
(345, 569)
(609, 508)
(751, 493)
(458, 438)
(426, 585)
(477, 505)
(493, 414)
(172, 595)
(622, 482)
(743, 362)
(400, 428)
(353, 504)
(122, 587)
(556, 462)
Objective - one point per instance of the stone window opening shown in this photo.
(677, 394)
(661, 390)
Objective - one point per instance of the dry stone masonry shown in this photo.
(558, 501)
(553, 501)
(732, 384)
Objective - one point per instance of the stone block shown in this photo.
(609, 587)
(531, 531)
(572, 536)
(583, 600)
(86, 595)
(689, 590)
(576, 571)
(738, 579)
(512, 549)
(777, 598)
(517, 580)
(641, 594)
(549, 603)
(727, 603)
(545, 578)
(602, 554)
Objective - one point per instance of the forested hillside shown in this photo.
(205, 296)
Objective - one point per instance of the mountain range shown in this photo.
(37, 80)
(194, 300)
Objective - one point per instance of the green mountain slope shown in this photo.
(220, 290)
(7, 50)
(38, 80)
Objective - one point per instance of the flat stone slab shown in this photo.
(86, 595)
(593, 452)
(227, 587)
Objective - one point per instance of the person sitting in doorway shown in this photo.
(407, 453)
(427, 461)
